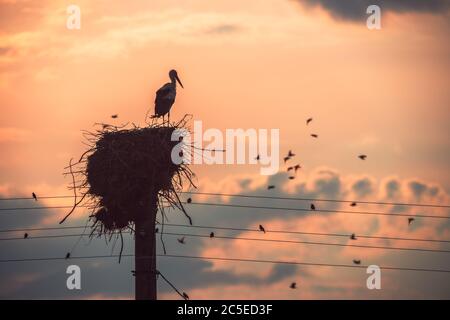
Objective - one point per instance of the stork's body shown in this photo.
(165, 96)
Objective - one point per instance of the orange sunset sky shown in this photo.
(244, 64)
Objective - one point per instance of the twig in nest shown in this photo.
(182, 209)
(75, 203)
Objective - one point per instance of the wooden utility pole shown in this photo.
(145, 250)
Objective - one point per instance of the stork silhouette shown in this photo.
(165, 96)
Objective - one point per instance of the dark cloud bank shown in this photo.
(356, 9)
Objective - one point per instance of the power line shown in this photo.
(231, 260)
(321, 200)
(40, 229)
(31, 198)
(308, 233)
(40, 208)
(319, 210)
(247, 229)
(170, 284)
(267, 197)
(246, 239)
(2, 210)
(310, 243)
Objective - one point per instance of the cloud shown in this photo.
(392, 188)
(327, 183)
(240, 280)
(321, 184)
(363, 187)
(223, 29)
(5, 50)
(356, 9)
(417, 188)
(31, 14)
(9, 134)
(421, 190)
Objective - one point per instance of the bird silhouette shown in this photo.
(356, 261)
(314, 135)
(165, 96)
(410, 220)
(270, 187)
(257, 157)
(185, 296)
(353, 204)
(181, 240)
(353, 236)
(313, 207)
(290, 168)
(290, 154)
(34, 196)
(189, 200)
(211, 235)
(261, 228)
(25, 235)
(296, 167)
(68, 255)
(115, 116)
(286, 159)
(293, 285)
(362, 156)
(291, 178)
(156, 230)
(309, 120)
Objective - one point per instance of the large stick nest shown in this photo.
(124, 168)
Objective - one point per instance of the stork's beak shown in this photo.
(179, 81)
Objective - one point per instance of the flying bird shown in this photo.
(410, 220)
(270, 187)
(290, 168)
(296, 167)
(356, 261)
(286, 159)
(115, 116)
(314, 135)
(353, 204)
(165, 96)
(293, 285)
(309, 120)
(189, 200)
(291, 178)
(362, 156)
(211, 235)
(313, 207)
(353, 236)
(261, 228)
(25, 235)
(34, 196)
(290, 154)
(181, 240)
(68, 255)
